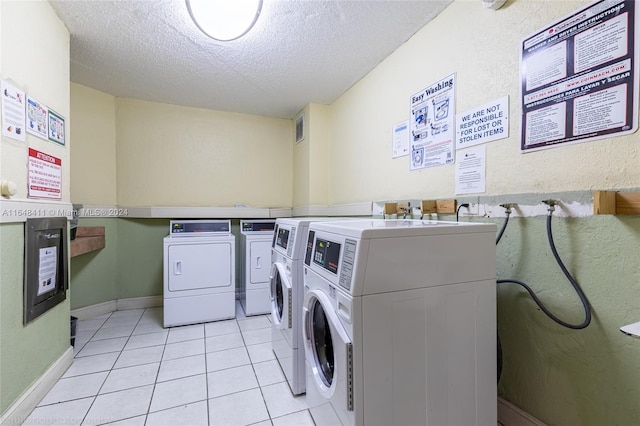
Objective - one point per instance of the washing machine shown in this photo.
(288, 251)
(255, 256)
(198, 272)
(399, 323)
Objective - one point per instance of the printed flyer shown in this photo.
(432, 125)
(579, 77)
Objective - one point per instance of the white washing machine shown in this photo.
(199, 272)
(288, 251)
(255, 256)
(399, 323)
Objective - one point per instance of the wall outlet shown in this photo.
(473, 209)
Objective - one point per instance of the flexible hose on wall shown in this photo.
(574, 284)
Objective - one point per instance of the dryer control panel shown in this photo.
(257, 226)
(195, 228)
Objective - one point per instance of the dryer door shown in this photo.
(260, 258)
(328, 350)
(281, 297)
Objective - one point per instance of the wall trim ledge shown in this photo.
(18, 210)
(23, 406)
(510, 415)
(354, 209)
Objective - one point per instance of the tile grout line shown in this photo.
(208, 396)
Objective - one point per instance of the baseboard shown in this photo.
(510, 415)
(138, 303)
(96, 310)
(93, 311)
(22, 408)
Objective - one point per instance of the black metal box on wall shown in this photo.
(46, 265)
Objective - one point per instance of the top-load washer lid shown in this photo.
(199, 228)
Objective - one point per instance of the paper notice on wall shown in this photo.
(47, 270)
(13, 107)
(45, 175)
(37, 123)
(400, 141)
(432, 125)
(579, 77)
(471, 170)
(485, 123)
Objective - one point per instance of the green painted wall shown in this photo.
(129, 266)
(139, 260)
(562, 376)
(94, 275)
(26, 351)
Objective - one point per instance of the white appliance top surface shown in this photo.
(386, 228)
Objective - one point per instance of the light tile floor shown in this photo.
(129, 370)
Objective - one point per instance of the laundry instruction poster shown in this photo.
(579, 77)
(37, 118)
(432, 119)
(13, 106)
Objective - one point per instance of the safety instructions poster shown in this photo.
(432, 125)
(45, 175)
(579, 77)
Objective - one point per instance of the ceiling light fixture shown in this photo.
(224, 20)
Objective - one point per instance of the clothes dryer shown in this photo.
(255, 266)
(288, 251)
(399, 323)
(198, 272)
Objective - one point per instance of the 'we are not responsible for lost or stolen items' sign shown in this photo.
(486, 123)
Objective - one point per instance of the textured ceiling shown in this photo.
(299, 52)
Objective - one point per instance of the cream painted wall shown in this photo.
(170, 155)
(482, 47)
(35, 52)
(301, 167)
(310, 158)
(93, 176)
(318, 120)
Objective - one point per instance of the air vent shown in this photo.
(300, 128)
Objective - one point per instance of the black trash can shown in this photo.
(74, 323)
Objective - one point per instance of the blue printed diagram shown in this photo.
(420, 130)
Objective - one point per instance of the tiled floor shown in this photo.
(129, 370)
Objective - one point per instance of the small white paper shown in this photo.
(47, 272)
(400, 139)
(471, 170)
